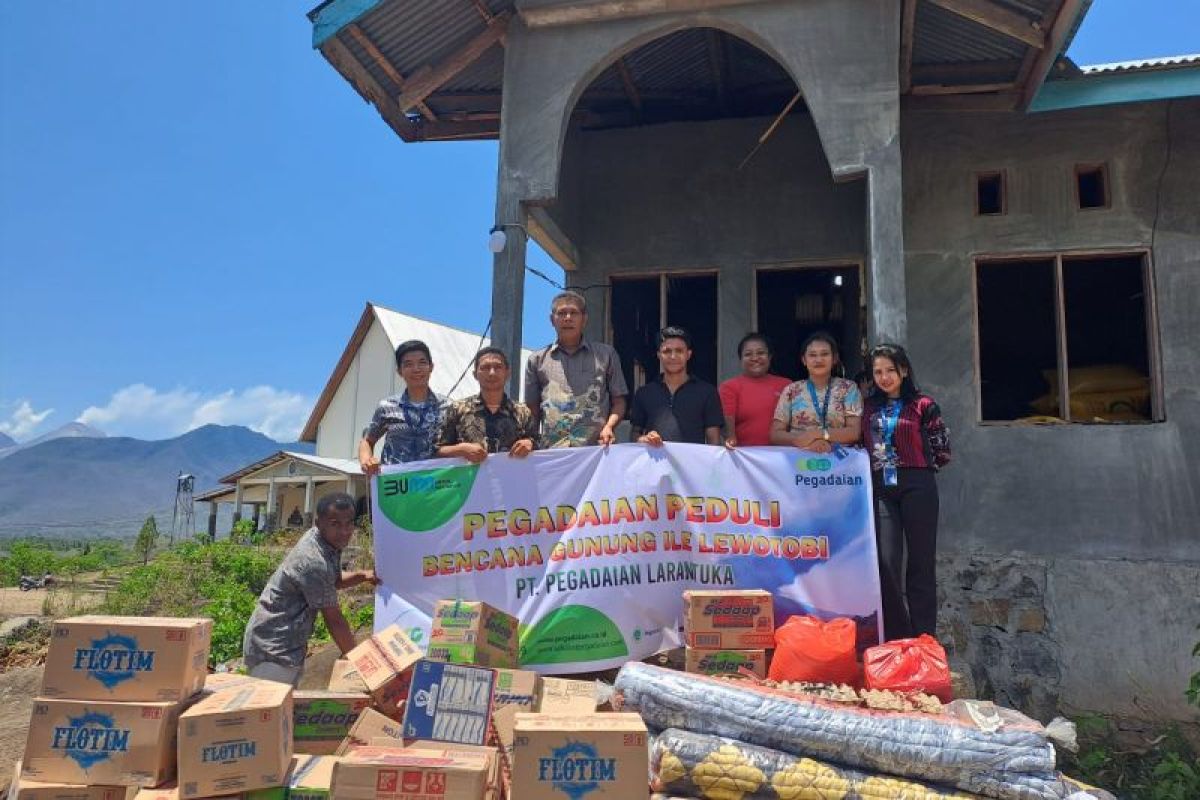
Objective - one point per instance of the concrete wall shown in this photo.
(1075, 545)
(670, 197)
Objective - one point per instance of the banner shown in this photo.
(591, 548)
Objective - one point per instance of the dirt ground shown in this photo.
(15, 603)
(17, 690)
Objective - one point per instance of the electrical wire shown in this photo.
(469, 364)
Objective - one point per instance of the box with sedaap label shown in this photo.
(728, 619)
(22, 789)
(473, 632)
(126, 658)
(599, 755)
(725, 662)
(450, 703)
(322, 719)
(91, 742)
(372, 773)
(384, 663)
(236, 740)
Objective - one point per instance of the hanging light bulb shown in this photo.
(497, 240)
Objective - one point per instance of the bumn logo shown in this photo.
(113, 659)
(90, 738)
(576, 770)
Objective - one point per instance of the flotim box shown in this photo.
(89, 742)
(449, 703)
(728, 619)
(126, 658)
(371, 773)
(322, 719)
(236, 740)
(37, 790)
(472, 632)
(384, 663)
(725, 662)
(596, 756)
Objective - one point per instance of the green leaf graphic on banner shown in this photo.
(424, 500)
(572, 633)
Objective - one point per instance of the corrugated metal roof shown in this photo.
(1143, 64)
(943, 37)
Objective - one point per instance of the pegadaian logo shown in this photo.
(813, 464)
(113, 659)
(576, 770)
(90, 738)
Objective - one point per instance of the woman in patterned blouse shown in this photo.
(908, 442)
(820, 411)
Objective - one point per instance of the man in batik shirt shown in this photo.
(488, 422)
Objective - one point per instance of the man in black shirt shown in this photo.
(677, 407)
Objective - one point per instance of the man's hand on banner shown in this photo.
(521, 448)
(652, 438)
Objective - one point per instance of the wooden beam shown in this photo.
(1064, 23)
(998, 19)
(442, 131)
(426, 80)
(603, 10)
(908, 24)
(720, 67)
(630, 87)
(344, 62)
(997, 101)
(933, 89)
(381, 61)
(967, 72)
(545, 231)
(483, 10)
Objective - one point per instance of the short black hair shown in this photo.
(754, 336)
(338, 501)
(490, 351)
(820, 336)
(674, 332)
(569, 296)
(411, 346)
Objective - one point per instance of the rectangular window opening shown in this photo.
(1099, 323)
(1091, 184)
(795, 303)
(637, 315)
(990, 197)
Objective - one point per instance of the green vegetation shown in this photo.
(1165, 767)
(61, 558)
(147, 539)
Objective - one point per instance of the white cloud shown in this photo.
(23, 420)
(147, 413)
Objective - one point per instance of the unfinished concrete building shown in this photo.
(933, 172)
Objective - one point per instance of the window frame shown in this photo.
(1153, 345)
(1002, 174)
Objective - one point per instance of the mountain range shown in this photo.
(88, 484)
(72, 430)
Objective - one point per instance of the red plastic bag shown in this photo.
(807, 649)
(909, 665)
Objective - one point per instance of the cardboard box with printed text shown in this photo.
(450, 703)
(384, 663)
(322, 719)
(728, 619)
(345, 678)
(370, 727)
(236, 740)
(566, 696)
(725, 662)
(599, 755)
(21, 789)
(368, 773)
(127, 658)
(473, 632)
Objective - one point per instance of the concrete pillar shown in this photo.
(887, 319)
(237, 503)
(272, 514)
(508, 280)
(310, 497)
(257, 514)
(212, 520)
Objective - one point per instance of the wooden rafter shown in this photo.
(344, 62)
(720, 67)
(998, 19)
(991, 102)
(382, 62)
(486, 14)
(1064, 23)
(427, 79)
(967, 72)
(601, 10)
(631, 90)
(927, 89)
(545, 231)
(908, 23)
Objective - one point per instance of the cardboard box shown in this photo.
(370, 727)
(384, 662)
(517, 687)
(602, 755)
(135, 659)
(564, 696)
(443, 749)
(473, 632)
(345, 678)
(368, 773)
(725, 662)
(37, 790)
(322, 719)
(170, 791)
(236, 740)
(217, 681)
(308, 778)
(449, 703)
(728, 619)
(90, 742)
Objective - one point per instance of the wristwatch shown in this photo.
(825, 434)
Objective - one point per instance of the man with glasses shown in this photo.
(575, 387)
(488, 422)
(408, 422)
(677, 407)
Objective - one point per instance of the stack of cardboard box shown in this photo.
(727, 630)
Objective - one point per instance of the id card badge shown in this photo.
(890, 478)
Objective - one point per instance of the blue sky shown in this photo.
(194, 207)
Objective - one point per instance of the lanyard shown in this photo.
(822, 410)
(425, 408)
(889, 420)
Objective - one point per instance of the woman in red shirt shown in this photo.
(748, 401)
(908, 442)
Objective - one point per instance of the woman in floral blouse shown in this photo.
(822, 410)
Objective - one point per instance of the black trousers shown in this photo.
(906, 518)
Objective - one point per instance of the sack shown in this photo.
(1100, 378)
(807, 649)
(909, 665)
